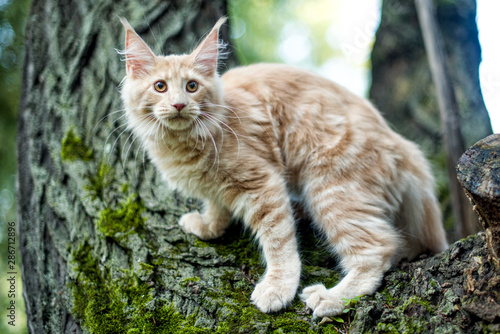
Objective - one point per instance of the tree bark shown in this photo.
(100, 245)
(402, 84)
(479, 173)
(73, 165)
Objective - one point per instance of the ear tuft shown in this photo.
(210, 50)
(139, 57)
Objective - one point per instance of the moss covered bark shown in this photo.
(457, 291)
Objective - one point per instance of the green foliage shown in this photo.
(73, 148)
(259, 27)
(351, 303)
(12, 25)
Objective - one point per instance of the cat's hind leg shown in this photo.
(208, 225)
(359, 234)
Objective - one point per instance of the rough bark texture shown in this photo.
(74, 171)
(402, 84)
(100, 245)
(479, 172)
(457, 291)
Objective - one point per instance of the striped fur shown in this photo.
(259, 136)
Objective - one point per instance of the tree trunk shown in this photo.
(100, 246)
(465, 221)
(402, 84)
(76, 178)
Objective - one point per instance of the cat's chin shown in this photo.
(178, 123)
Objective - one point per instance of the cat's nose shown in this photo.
(178, 106)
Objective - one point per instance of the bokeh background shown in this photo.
(331, 37)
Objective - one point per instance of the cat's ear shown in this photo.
(208, 52)
(139, 57)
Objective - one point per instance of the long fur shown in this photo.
(249, 141)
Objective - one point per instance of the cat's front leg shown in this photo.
(270, 217)
(210, 224)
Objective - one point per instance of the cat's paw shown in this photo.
(193, 223)
(322, 301)
(272, 295)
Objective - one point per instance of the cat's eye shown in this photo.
(161, 86)
(192, 86)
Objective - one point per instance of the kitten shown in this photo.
(248, 142)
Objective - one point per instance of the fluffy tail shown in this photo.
(420, 219)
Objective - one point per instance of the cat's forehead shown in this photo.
(174, 66)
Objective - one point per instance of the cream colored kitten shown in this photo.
(249, 141)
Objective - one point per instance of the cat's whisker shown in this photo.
(200, 135)
(116, 129)
(214, 120)
(135, 160)
(130, 146)
(195, 129)
(216, 157)
(117, 138)
(232, 109)
(106, 116)
(144, 158)
(229, 129)
(236, 111)
(150, 126)
(125, 144)
(208, 104)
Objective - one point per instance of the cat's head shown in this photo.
(174, 93)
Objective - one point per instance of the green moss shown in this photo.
(388, 298)
(406, 322)
(73, 148)
(126, 305)
(387, 328)
(201, 244)
(237, 244)
(289, 323)
(126, 219)
(123, 303)
(315, 274)
(125, 188)
(232, 294)
(189, 281)
(415, 300)
(237, 315)
(100, 181)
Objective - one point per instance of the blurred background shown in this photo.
(331, 37)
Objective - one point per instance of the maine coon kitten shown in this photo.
(248, 142)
